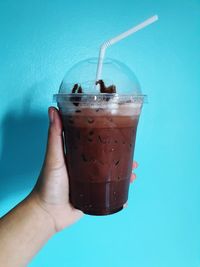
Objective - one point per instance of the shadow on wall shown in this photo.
(24, 142)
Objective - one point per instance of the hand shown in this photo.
(51, 192)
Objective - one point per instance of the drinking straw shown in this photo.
(118, 38)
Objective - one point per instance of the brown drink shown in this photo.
(100, 140)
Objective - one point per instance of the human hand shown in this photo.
(51, 192)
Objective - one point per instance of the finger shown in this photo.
(135, 165)
(54, 152)
(125, 205)
(133, 177)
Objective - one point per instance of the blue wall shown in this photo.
(39, 41)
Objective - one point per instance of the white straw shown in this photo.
(118, 38)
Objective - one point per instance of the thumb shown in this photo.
(55, 152)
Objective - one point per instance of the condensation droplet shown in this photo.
(117, 162)
(90, 120)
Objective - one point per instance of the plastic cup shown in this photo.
(99, 133)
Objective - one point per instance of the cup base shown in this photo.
(102, 212)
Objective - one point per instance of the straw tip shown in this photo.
(156, 17)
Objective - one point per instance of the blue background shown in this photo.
(39, 41)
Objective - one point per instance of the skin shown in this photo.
(46, 210)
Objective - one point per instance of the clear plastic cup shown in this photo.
(100, 132)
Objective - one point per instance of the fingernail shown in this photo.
(51, 115)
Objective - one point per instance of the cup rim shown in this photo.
(116, 98)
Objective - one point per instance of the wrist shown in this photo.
(41, 215)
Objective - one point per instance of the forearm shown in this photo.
(23, 231)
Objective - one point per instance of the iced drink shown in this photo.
(99, 138)
(100, 130)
